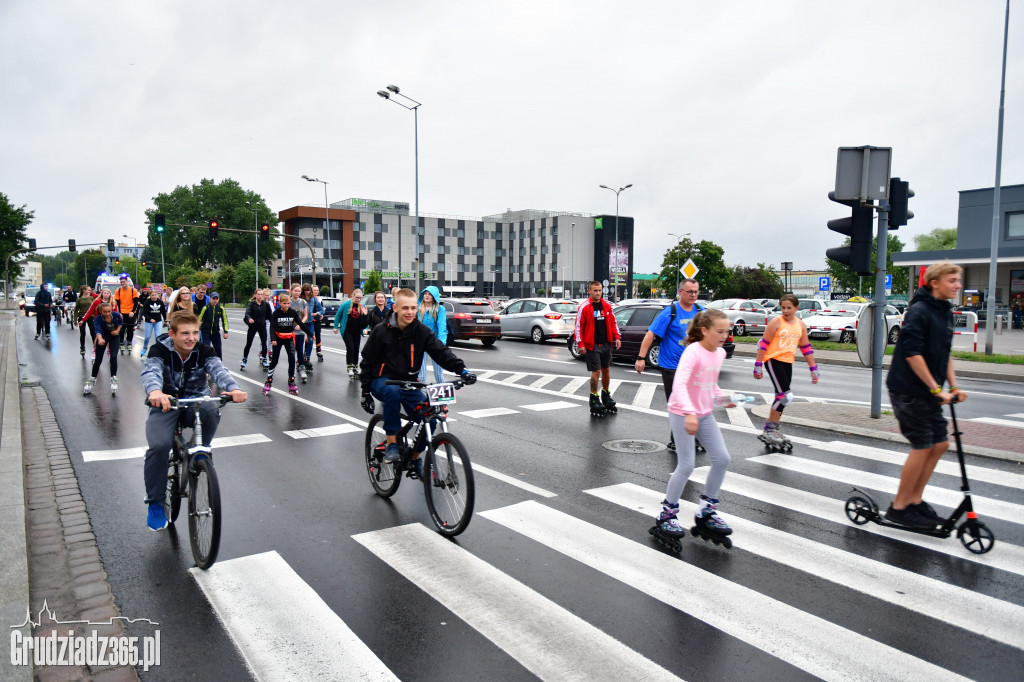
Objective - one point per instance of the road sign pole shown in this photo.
(881, 333)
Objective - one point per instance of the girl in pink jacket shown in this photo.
(695, 393)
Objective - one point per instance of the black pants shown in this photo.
(352, 338)
(254, 329)
(289, 346)
(114, 346)
(42, 321)
(81, 334)
(127, 331)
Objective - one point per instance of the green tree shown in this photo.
(644, 288)
(939, 239)
(180, 276)
(747, 282)
(372, 283)
(202, 277)
(245, 279)
(706, 255)
(87, 267)
(140, 274)
(224, 283)
(844, 280)
(197, 205)
(14, 221)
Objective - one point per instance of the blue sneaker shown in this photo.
(157, 519)
(391, 453)
(143, 353)
(417, 466)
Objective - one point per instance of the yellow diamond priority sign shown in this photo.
(689, 269)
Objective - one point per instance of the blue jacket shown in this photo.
(438, 325)
(341, 317)
(166, 371)
(103, 329)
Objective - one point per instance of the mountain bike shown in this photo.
(447, 473)
(190, 474)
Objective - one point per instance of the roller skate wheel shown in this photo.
(727, 543)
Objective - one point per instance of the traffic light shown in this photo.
(117, 260)
(71, 245)
(265, 232)
(161, 221)
(899, 201)
(143, 263)
(858, 227)
(110, 245)
(31, 244)
(214, 225)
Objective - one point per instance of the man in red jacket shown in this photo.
(596, 331)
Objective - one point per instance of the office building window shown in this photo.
(1015, 225)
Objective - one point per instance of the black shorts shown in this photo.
(599, 358)
(920, 418)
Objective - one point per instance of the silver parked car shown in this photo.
(839, 323)
(539, 319)
(745, 315)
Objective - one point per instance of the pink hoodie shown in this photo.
(696, 382)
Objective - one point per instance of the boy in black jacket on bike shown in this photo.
(394, 350)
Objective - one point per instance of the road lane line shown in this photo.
(803, 640)
(979, 613)
(488, 412)
(563, 362)
(1006, 557)
(323, 431)
(545, 638)
(282, 628)
(544, 380)
(975, 473)
(997, 422)
(511, 480)
(574, 385)
(543, 407)
(130, 453)
(644, 395)
(985, 506)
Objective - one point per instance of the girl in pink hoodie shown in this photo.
(695, 393)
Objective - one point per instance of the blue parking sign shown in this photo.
(888, 281)
(823, 283)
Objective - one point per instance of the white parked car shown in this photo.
(840, 323)
(745, 315)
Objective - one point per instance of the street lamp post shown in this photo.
(256, 224)
(617, 192)
(679, 239)
(450, 275)
(290, 277)
(327, 227)
(386, 94)
(572, 270)
(135, 252)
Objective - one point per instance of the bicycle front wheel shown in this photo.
(204, 513)
(383, 477)
(448, 484)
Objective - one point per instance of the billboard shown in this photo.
(618, 262)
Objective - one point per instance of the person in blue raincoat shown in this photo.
(432, 314)
(350, 321)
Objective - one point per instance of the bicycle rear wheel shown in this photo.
(448, 484)
(204, 513)
(172, 496)
(383, 477)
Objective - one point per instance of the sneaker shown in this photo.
(391, 453)
(927, 511)
(157, 519)
(908, 517)
(142, 353)
(417, 466)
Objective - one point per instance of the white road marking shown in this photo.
(485, 374)
(563, 362)
(323, 431)
(514, 378)
(805, 641)
(975, 473)
(545, 638)
(574, 385)
(613, 385)
(543, 407)
(739, 416)
(511, 480)
(644, 395)
(985, 506)
(1007, 557)
(131, 453)
(997, 422)
(488, 412)
(543, 380)
(1019, 415)
(282, 628)
(975, 612)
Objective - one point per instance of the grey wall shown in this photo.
(974, 221)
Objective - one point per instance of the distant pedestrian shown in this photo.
(596, 333)
(432, 314)
(154, 314)
(256, 315)
(379, 311)
(82, 305)
(43, 303)
(350, 321)
(211, 318)
(921, 365)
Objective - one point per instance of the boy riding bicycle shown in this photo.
(178, 366)
(394, 350)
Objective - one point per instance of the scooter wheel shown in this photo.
(975, 536)
(859, 510)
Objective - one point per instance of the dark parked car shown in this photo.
(330, 309)
(633, 321)
(471, 318)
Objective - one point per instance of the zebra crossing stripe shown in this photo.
(738, 416)
(543, 380)
(545, 638)
(975, 473)
(644, 395)
(332, 430)
(544, 407)
(985, 506)
(130, 453)
(1007, 558)
(511, 379)
(801, 639)
(574, 384)
(979, 613)
(488, 412)
(282, 628)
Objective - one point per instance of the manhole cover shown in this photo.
(636, 447)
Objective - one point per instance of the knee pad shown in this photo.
(786, 398)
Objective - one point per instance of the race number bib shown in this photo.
(441, 394)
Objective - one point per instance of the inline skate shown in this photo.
(319, 356)
(89, 385)
(353, 372)
(113, 385)
(302, 374)
(597, 408)
(666, 530)
(292, 388)
(267, 385)
(773, 439)
(244, 360)
(708, 526)
(609, 404)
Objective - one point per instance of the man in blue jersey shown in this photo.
(670, 327)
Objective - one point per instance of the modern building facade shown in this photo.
(973, 248)
(513, 253)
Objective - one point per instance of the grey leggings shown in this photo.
(711, 438)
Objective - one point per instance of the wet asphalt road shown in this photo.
(306, 498)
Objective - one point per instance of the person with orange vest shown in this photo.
(126, 298)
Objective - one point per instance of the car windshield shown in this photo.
(835, 313)
(330, 301)
(564, 307)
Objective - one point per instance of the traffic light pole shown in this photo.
(881, 333)
(12, 254)
(289, 236)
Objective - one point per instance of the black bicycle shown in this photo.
(447, 473)
(199, 485)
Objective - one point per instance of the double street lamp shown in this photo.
(387, 94)
(327, 227)
(615, 273)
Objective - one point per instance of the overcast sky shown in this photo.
(725, 116)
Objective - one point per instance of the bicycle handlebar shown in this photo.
(415, 385)
(179, 403)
